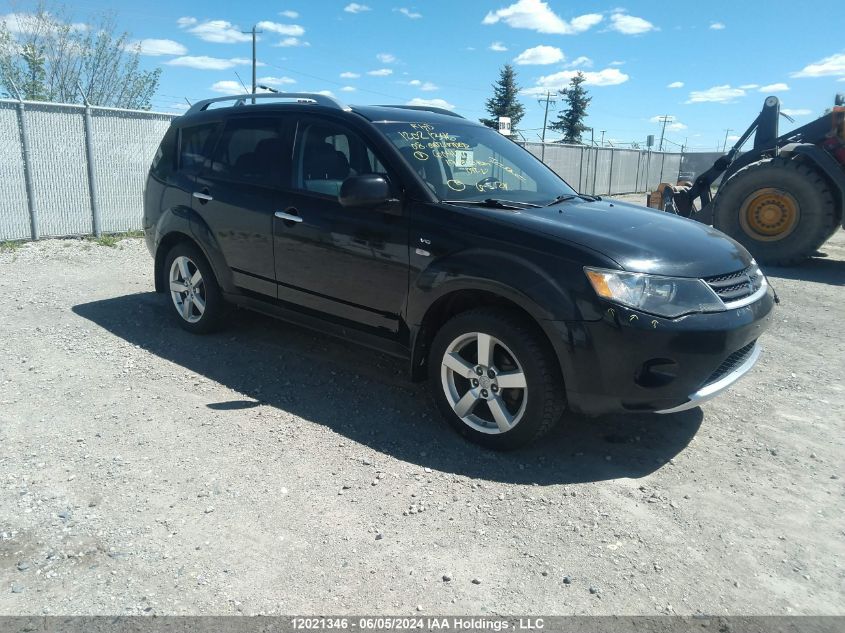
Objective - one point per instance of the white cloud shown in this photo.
(778, 87)
(733, 137)
(349, 75)
(219, 32)
(616, 63)
(498, 47)
(354, 7)
(717, 26)
(276, 81)
(414, 15)
(539, 55)
(155, 48)
(431, 103)
(556, 81)
(381, 72)
(580, 62)
(348, 89)
(749, 86)
(291, 15)
(537, 16)
(676, 84)
(203, 62)
(186, 21)
(29, 23)
(833, 65)
(292, 41)
(293, 30)
(716, 94)
(228, 87)
(429, 87)
(796, 111)
(386, 58)
(630, 24)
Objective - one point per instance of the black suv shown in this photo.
(425, 235)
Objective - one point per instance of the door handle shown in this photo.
(287, 217)
(202, 196)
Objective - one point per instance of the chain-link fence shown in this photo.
(72, 170)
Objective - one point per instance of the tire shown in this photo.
(523, 413)
(804, 216)
(206, 307)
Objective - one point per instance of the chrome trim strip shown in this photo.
(202, 196)
(707, 392)
(740, 303)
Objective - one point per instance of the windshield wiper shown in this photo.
(570, 196)
(496, 203)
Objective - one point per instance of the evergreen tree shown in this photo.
(571, 120)
(504, 100)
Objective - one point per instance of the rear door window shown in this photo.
(195, 145)
(252, 150)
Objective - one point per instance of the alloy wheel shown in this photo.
(187, 289)
(484, 383)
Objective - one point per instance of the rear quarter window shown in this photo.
(164, 161)
(195, 146)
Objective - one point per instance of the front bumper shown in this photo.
(713, 389)
(632, 361)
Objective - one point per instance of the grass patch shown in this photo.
(111, 240)
(10, 247)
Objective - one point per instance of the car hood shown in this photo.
(640, 239)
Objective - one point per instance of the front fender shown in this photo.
(518, 279)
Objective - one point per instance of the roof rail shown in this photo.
(425, 109)
(319, 99)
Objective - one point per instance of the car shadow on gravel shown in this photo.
(822, 270)
(366, 397)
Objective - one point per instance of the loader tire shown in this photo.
(781, 210)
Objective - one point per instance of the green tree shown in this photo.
(570, 121)
(504, 100)
(47, 56)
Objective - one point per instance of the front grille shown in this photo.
(731, 363)
(738, 285)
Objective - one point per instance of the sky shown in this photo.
(708, 66)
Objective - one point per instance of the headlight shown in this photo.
(663, 296)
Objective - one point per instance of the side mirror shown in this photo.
(369, 190)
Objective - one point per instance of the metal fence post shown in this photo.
(610, 174)
(581, 170)
(27, 172)
(637, 177)
(662, 162)
(92, 171)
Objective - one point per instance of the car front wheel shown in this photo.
(495, 379)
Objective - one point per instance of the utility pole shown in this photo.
(254, 63)
(664, 119)
(602, 137)
(545, 120)
(725, 144)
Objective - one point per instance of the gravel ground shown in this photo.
(269, 470)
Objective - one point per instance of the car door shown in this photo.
(237, 193)
(350, 263)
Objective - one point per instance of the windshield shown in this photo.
(460, 161)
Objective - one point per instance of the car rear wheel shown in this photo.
(494, 378)
(193, 290)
